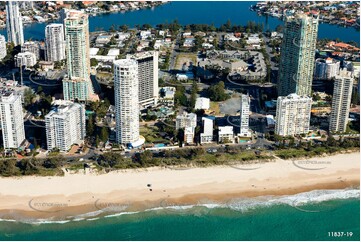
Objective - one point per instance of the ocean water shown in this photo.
(305, 216)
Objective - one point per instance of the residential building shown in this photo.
(225, 134)
(293, 115)
(27, 59)
(147, 77)
(54, 42)
(14, 23)
(207, 132)
(77, 85)
(31, 46)
(244, 115)
(341, 101)
(186, 120)
(202, 103)
(189, 133)
(326, 69)
(126, 102)
(2, 47)
(166, 96)
(297, 55)
(12, 120)
(65, 125)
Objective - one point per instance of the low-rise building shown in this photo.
(189, 135)
(225, 134)
(27, 59)
(31, 46)
(166, 96)
(207, 130)
(186, 120)
(202, 103)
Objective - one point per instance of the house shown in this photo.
(144, 34)
(189, 41)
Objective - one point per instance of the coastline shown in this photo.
(61, 198)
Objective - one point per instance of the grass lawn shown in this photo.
(151, 134)
(214, 108)
(185, 57)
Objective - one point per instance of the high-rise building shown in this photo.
(27, 59)
(54, 42)
(12, 120)
(2, 47)
(126, 102)
(77, 85)
(293, 115)
(31, 46)
(14, 23)
(341, 101)
(65, 125)
(244, 115)
(327, 68)
(297, 55)
(147, 77)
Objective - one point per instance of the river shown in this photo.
(200, 12)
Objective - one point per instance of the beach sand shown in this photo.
(85, 192)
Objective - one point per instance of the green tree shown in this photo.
(28, 97)
(93, 62)
(90, 126)
(104, 135)
(217, 92)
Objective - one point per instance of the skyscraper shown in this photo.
(293, 115)
(244, 115)
(54, 42)
(2, 47)
(12, 120)
(14, 23)
(341, 101)
(297, 55)
(126, 88)
(77, 85)
(147, 77)
(65, 125)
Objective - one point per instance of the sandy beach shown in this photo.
(84, 192)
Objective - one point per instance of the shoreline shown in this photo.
(60, 198)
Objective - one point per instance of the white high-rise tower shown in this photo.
(12, 120)
(54, 42)
(341, 101)
(14, 23)
(126, 102)
(244, 115)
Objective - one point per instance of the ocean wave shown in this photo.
(237, 204)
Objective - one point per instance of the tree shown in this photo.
(93, 62)
(28, 97)
(40, 89)
(104, 135)
(90, 126)
(123, 28)
(194, 90)
(217, 92)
